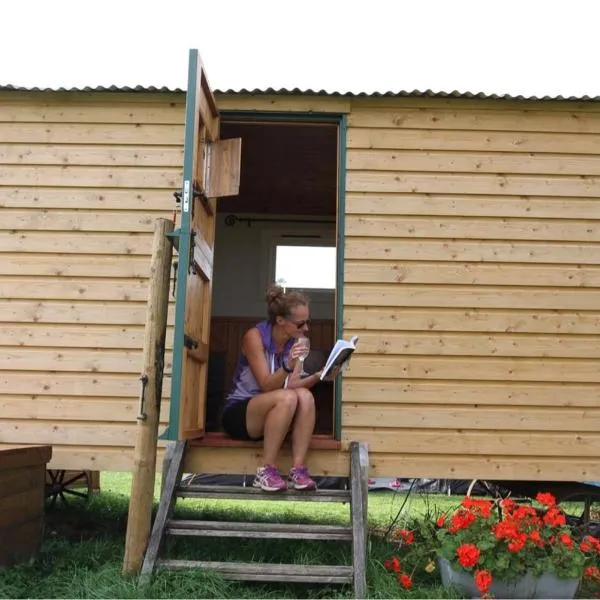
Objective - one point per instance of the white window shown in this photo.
(303, 266)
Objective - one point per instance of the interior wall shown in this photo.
(242, 266)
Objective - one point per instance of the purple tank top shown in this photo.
(244, 383)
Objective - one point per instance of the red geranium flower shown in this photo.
(468, 555)
(393, 564)
(440, 521)
(592, 573)
(407, 536)
(483, 580)
(546, 498)
(405, 580)
(554, 517)
(517, 543)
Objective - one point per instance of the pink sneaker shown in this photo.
(300, 478)
(268, 479)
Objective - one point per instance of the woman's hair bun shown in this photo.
(274, 293)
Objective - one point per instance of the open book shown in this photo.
(339, 355)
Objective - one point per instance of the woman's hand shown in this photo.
(294, 355)
(332, 374)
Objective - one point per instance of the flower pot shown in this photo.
(527, 586)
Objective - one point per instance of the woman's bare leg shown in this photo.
(304, 425)
(270, 415)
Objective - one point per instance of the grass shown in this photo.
(82, 550)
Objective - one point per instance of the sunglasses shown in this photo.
(300, 324)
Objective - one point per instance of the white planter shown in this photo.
(528, 586)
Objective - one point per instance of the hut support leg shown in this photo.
(359, 464)
(167, 500)
(142, 487)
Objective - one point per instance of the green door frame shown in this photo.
(341, 121)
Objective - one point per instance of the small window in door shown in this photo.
(307, 267)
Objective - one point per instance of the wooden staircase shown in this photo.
(356, 533)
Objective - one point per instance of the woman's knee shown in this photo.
(288, 398)
(305, 398)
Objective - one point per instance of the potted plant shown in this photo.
(513, 551)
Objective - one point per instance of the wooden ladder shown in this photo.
(356, 533)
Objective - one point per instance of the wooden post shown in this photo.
(359, 498)
(142, 488)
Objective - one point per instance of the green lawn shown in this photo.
(82, 551)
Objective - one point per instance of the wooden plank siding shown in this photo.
(82, 179)
(472, 276)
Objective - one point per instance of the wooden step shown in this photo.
(299, 531)
(267, 571)
(232, 492)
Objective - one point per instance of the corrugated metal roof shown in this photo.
(310, 92)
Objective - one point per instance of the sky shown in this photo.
(527, 47)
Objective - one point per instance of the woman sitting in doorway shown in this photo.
(269, 395)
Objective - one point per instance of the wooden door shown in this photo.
(211, 169)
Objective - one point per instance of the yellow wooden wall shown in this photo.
(473, 279)
(82, 178)
(471, 276)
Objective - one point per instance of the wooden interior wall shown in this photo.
(473, 278)
(82, 178)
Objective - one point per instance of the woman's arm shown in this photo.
(253, 350)
(296, 381)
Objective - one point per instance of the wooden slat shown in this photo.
(461, 205)
(93, 458)
(273, 572)
(472, 228)
(248, 494)
(76, 385)
(487, 321)
(473, 183)
(90, 313)
(68, 242)
(76, 336)
(129, 267)
(21, 431)
(287, 531)
(82, 220)
(471, 251)
(476, 119)
(282, 103)
(493, 141)
(472, 162)
(67, 359)
(53, 408)
(471, 273)
(70, 288)
(244, 460)
(457, 466)
(473, 104)
(92, 133)
(79, 176)
(584, 445)
(475, 369)
(524, 419)
(476, 344)
(470, 296)
(77, 110)
(73, 154)
(90, 198)
(474, 393)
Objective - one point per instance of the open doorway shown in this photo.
(281, 227)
